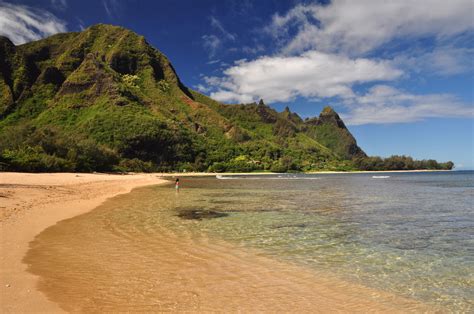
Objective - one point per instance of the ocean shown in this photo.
(408, 234)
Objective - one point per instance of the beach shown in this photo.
(29, 203)
(215, 276)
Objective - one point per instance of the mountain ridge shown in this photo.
(104, 99)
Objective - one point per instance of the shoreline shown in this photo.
(213, 174)
(42, 200)
(29, 203)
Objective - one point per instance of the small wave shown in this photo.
(291, 178)
(380, 177)
(221, 177)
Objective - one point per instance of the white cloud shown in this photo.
(327, 50)
(81, 24)
(313, 74)
(202, 88)
(211, 62)
(444, 60)
(218, 25)
(211, 43)
(451, 60)
(253, 49)
(59, 4)
(384, 104)
(359, 26)
(22, 23)
(112, 8)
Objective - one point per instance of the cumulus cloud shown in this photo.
(384, 104)
(326, 51)
(357, 27)
(312, 74)
(22, 23)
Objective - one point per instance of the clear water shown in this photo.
(411, 234)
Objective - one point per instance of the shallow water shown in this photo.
(409, 234)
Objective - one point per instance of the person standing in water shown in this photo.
(176, 184)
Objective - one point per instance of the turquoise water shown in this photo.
(409, 233)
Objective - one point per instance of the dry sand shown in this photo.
(29, 203)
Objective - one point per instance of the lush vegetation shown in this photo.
(400, 163)
(105, 100)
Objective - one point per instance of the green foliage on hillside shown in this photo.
(105, 100)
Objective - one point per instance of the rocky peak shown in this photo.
(266, 113)
(327, 116)
(328, 110)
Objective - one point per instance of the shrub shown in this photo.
(218, 167)
(34, 159)
(278, 167)
(136, 165)
(130, 80)
(164, 86)
(90, 156)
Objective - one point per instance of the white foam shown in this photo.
(221, 177)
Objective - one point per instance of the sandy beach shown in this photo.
(29, 203)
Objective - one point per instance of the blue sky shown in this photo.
(400, 73)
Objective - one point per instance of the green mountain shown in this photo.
(105, 100)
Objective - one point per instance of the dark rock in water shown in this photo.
(301, 225)
(422, 242)
(199, 214)
(222, 201)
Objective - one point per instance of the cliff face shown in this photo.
(330, 131)
(7, 50)
(121, 101)
(329, 116)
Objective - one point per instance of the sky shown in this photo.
(400, 73)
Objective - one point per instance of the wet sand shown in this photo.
(210, 276)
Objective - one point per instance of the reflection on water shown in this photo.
(411, 234)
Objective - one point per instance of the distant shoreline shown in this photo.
(191, 173)
(211, 174)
